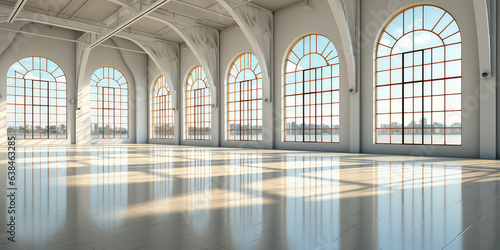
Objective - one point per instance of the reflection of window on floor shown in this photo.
(109, 178)
(419, 79)
(421, 199)
(244, 180)
(198, 187)
(312, 198)
(162, 171)
(41, 175)
(36, 99)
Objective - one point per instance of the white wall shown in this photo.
(374, 16)
(497, 62)
(138, 66)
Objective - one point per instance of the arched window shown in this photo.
(244, 100)
(36, 99)
(311, 91)
(109, 104)
(419, 78)
(198, 106)
(163, 112)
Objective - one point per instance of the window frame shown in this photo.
(242, 102)
(332, 60)
(94, 83)
(166, 113)
(424, 98)
(12, 85)
(199, 101)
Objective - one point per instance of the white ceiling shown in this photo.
(205, 12)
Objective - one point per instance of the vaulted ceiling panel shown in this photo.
(201, 12)
(201, 3)
(9, 3)
(149, 26)
(54, 6)
(218, 9)
(172, 36)
(155, 29)
(72, 7)
(98, 10)
(274, 5)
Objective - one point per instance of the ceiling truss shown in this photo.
(136, 11)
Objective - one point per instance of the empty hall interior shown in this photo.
(249, 124)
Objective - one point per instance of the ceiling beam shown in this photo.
(53, 21)
(76, 25)
(171, 18)
(138, 11)
(17, 9)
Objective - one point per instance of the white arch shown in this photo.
(346, 35)
(483, 35)
(256, 24)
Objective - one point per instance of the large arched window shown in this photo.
(36, 99)
(244, 100)
(311, 91)
(163, 112)
(198, 106)
(418, 79)
(109, 104)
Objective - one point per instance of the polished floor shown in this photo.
(175, 197)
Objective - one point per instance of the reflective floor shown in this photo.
(172, 197)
